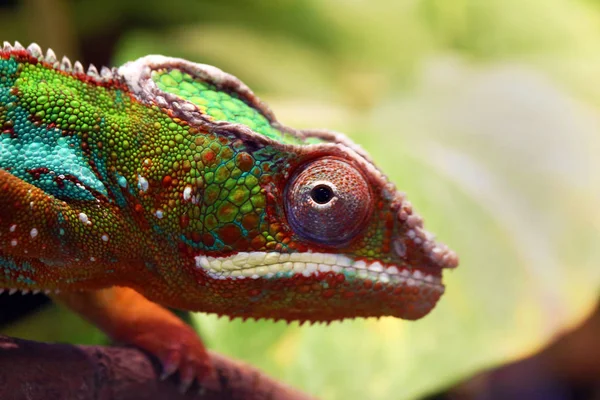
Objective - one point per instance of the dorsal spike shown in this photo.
(19, 46)
(12, 291)
(78, 68)
(65, 64)
(93, 71)
(106, 73)
(6, 46)
(50, 56)
(35, 50)
(25, 291)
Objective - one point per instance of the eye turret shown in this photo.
(328, 201)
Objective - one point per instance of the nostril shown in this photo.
(399, 248)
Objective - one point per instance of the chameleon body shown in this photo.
(168, 183)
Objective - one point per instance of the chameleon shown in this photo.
(166, 184)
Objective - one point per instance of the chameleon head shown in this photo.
(349, 246)
(318, 234)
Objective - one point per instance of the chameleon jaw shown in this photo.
(256, 265)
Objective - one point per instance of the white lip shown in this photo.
(255, 265)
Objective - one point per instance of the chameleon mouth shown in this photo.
(256, 265)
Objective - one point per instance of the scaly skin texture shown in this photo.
(168, 183)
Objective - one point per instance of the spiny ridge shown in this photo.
(64, 64)
(11, 291)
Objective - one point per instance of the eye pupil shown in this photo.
(321, 194)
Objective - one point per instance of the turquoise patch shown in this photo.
(42, 156)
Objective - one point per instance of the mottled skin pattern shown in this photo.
(167, 182)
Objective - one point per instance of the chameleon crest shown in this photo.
(173, 179)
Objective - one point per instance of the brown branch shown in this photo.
(32, 371)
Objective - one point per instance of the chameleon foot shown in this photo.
(180, 350)
(128, 317)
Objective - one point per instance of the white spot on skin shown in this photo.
(187, 193)
(12, 228)
(142, 183)
(83, 218)
(13, 242)
(33, 233)
(92, 259)
(105, 237)
(159, 214)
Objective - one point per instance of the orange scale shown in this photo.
(208, 239)
(303, 288)
(244, 161)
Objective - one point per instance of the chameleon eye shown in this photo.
(328, 201)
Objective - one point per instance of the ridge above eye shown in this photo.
(328, 201)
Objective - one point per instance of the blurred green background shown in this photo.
(486, 112)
